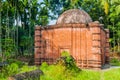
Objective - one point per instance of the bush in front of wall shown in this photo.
(11, 69)
(53, 72)
(115, 62)
(19, 63)
(27, 68)
(68, 61)
(64, 69)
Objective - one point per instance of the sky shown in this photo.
(40, 0)
(51, 22)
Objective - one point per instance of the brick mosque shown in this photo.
(87, 41)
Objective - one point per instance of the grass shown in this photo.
(61, 71)
(113, 74)
(58, 72)
(88, 75)
(70, 72)
(13, 69)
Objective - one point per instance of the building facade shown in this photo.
(74, 32)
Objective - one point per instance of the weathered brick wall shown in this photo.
(85, 43)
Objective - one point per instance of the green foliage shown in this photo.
(0, 59)
(17, 21)
(53, 72)
(69, 61)
(26, 68)
(44, 66)
(109, 10)
(65, 69)
(31, 13)
(19, 63)
(65, 54)
(8, 47)
(117, 9)
(11, 69)
(59, 72)
(115, 62)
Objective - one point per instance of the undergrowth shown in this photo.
(64, 69)
(13, 69)
(115, 62)
(59, 72)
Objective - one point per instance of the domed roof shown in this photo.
(74, 16)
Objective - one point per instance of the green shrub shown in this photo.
(19, 63)
(65, 53)
(2, 76)
(115, 62)
(69, 61)
(8, 48)
(11, 69)
(64, 69)
(0, 59)
(27, 68)
(52, 72)
(59, 72)
(44, 66)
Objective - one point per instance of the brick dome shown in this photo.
(74, 16)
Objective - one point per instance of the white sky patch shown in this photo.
(52, 22)
(40, 0)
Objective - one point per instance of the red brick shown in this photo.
(83, 43)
